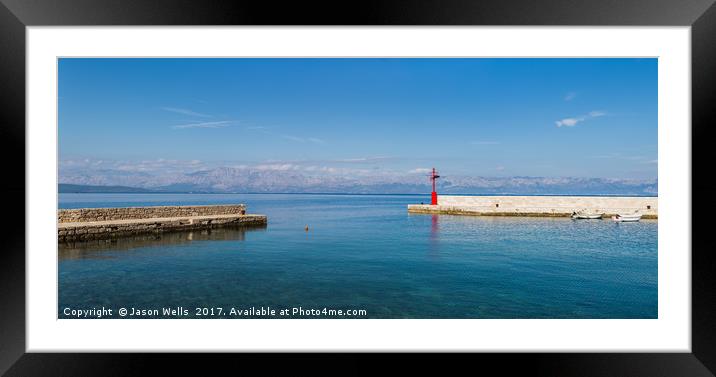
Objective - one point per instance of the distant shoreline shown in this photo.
(517, 188)
(351, 194)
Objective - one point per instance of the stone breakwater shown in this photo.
(128, 213)
(106, 223)
(540, 206)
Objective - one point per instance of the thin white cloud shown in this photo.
(278, 167)
(219, 124)
(185, 112)
(297, 139)
(364, 159)
(420, 171)
(156, 165)
(294, 138)
(570, 96)
(613, 155)
(360, 159)
(571, 122)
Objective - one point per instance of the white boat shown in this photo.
(636, 216)
(582, 215)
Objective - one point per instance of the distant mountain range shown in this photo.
(245, 180)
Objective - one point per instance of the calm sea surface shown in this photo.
(367, 253)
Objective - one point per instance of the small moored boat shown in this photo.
(636, 216)
(583, 215)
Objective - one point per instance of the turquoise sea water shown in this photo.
(365, 252)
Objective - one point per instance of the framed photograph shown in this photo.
(450, 177)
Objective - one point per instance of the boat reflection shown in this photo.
(94, 248)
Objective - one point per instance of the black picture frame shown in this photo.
(16, 15)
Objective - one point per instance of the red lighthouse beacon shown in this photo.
(434, 196)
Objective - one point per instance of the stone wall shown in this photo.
(540, 205)
(129, 213)
(72, 232)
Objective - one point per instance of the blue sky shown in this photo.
(479, 117)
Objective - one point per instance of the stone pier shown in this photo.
(105, 223)
(541, 206)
